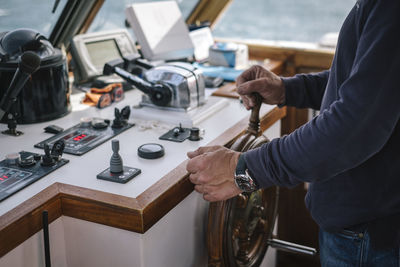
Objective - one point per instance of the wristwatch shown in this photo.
(243, 179)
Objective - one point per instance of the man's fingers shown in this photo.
(255, 86)
(247, 75)
(202, 150)
(218, 192)
(248, 101)
(245, 102)
(193, 177)
(202, 178)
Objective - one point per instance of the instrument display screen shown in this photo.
(103, 51)
(78, 137)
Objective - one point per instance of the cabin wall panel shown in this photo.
(179, 238)
(91, 244)
(31, 252)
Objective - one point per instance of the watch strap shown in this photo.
(241, 165)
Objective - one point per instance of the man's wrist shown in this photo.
(282, 100)
(242, 179)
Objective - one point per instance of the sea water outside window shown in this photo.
(287, 20)
(276, 20)
(34, 14)
(283, 20)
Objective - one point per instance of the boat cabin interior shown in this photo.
(101, 100)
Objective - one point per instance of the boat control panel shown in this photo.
(83, 137)
(21, 169)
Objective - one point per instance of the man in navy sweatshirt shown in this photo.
(349, 153)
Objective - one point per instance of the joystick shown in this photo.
(47, 159)
(117, 172)
(116, 165)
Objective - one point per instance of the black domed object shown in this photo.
(151, 151)
(20, 40)
(46, 94)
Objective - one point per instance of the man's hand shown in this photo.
(212, 171)
(256, 79)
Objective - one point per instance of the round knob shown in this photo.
(27, 161)
(85, 122)
(194, 134)
(12, 158)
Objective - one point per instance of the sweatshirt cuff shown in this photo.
(255, 168)
(291, 83)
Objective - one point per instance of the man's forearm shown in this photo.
(306, 90)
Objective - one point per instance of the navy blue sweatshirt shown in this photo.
(350, 153)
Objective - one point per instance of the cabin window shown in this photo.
(36, 15)
(112, 13)
(282, 20)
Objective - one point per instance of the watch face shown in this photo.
(245, 183)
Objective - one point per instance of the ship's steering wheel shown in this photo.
(240, 229)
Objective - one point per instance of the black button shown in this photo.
(151, 151)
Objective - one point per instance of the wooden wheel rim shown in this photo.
(238, 228)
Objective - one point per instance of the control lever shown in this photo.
(47, 159)
(291, 247)
(117, 172)
(125, 113)
(135, 59)
(159, 93)
(121, 117)
(116, 165)
(57, 149)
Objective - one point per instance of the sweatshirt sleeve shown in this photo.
(355, 126)
(305, 90)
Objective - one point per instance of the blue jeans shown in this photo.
(350, 248)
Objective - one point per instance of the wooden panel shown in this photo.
(272, 117)
(90, 17)
(317, 58)
(207, 11)
(293, 214)
(100, 207)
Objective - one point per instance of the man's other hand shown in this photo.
(259, 80)
(212, 171)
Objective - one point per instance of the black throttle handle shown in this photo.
(159, 93)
